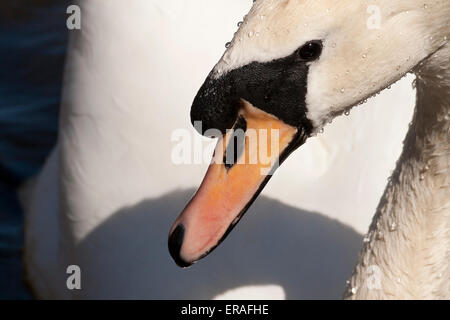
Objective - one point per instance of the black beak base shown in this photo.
(278, 87)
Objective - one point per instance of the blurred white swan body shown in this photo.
(131, 75)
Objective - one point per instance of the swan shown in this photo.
(89, 205)
(311, 64)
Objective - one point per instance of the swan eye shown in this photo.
(310, 51)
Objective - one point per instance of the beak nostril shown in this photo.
(236, 144)
(175, 244)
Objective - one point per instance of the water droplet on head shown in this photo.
(354, 290)
(239, 23)
(342, 90)
(250, 34)
(347, 113)
(227, 45)
(364, 56)
(393, 227)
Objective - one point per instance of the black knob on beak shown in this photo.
(216, 105)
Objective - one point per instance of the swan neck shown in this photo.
(406, 252)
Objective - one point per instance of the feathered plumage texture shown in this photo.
(409, 239)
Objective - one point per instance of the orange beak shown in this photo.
(243, 162)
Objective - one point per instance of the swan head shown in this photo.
(292, 66)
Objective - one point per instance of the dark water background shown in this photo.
(33, 37)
